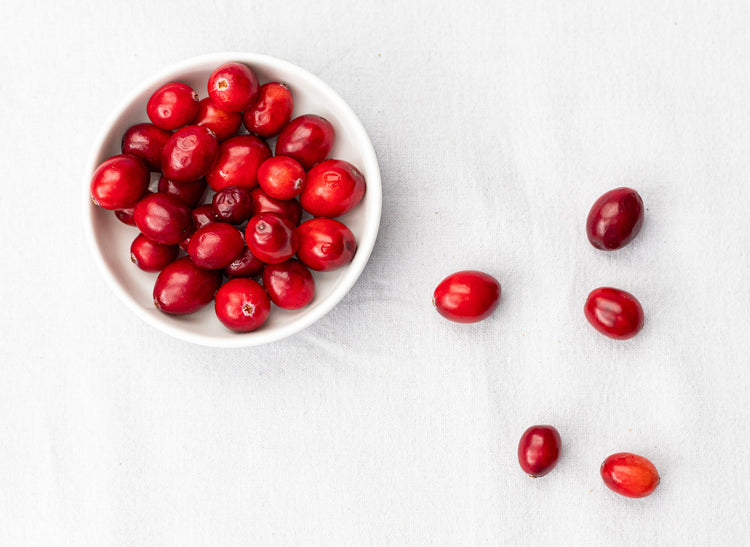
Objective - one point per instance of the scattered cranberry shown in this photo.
(163, 218)
(263, 203)
(332, 189)
(281, 177)
(614, 313)
(615, 219)
(119, 182)
(325, 244)
(222, 122)
(189, 153)
(538, 450)
(233, 87)
(172, 105)
(289, 284)
(245, 265)
(629, 475)
(467, 296)
(242, 305)
(233, 204)
(190, 192)
(271, 111)
(202, 215)
(151, 256)
(215, 246)
(146, 142)
(272, 238)
(308, 139)
(183, 288)
(238, 162)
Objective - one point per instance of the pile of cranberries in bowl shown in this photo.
(221, 216)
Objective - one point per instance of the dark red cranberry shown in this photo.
(119, 182)
(190, 192)
(332, 189)
(271, 111)
(263, 203)
(272, 238)
(183, 288)
(242, 305)
(172, 105)
(467, 296)
(233, 204)
(233, 87)
(222, 122)
(325, 244)
(538, 450)
(289, 284)
(151, 256)
(189, 153)
(163, 218)
(238, 162)
(615, 219)
(245, 265)
(281, 177)
(146, 141)
(614, 313)
(202, 215)
(308, 139)
(125, 216)
(215, 246)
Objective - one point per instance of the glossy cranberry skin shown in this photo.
(271, 238)
(202, 215)
(332, 189)
(233, 87)
(615, 219)
(238, 162)
(125, 216)
(614, 313)
(271, 111)
(172, 105)
(119, 182)
(308, 139)
(629, 475)
(183, 288)
(242, 305)
(538, 450)
(146, 142)
(163, 218)
(245, 265)
(289, 284)
(222, 122)
(325, 244)
(233, 204)
(189, 153)
(151, 256)
(281, 177)
(263, 203)
(190, 192)
(215, 246)
(467, 296)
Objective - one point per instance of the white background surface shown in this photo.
(496, 126)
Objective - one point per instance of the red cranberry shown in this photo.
(615, 219)
(163, 218)
(172, 105)
(332, 189)
(272, 238)
(308, 139)
(151, 256)
(289, 284)
(183, 288)
(233, 204)
(125, 216)
(238, 162)
(222, 122)
(281, 177)
(233, 87)
(189, 153)
(146, 141)
(629, 475)
(467, 296)
(202, 215)
(242, 305)
(539, 449)
(263, 203)
(190, 192)
(215, 246)
(614, 313)
(245, 265)
(271, 111)
(119, 182)
(325, 244)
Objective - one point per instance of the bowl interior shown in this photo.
(110, 239)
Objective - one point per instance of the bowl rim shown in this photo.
(365, 243)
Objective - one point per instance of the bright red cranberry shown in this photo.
(190, 192)
(182, 287)
(172, 105)
(308, 139)
(629, 475)
(233, 204)
(614, 313)
(222, 122)
(271, 111)
(163, 218)
(272, 238)
(119, 182)
(615, 219)
(215, 246)
(281, 177)
(238, 162)
(146, 141)
(325, 244)
(202, 215)
(189, 153)
(332, 189)
(467, 296)
(233, 87)
(242, 305)
(263, 203)
(151, 256)
(538, 450)
(245, 265)
(289, 284)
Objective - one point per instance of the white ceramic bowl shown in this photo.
(110, 239)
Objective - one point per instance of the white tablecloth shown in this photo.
(496, 124)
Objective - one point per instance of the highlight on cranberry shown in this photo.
(629, 475)
(467, 296)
